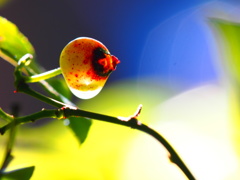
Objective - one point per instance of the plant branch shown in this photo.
(5, 116)
(11, 139)
(131, 121)
(20, 80)
(24, 88)
(66, 111)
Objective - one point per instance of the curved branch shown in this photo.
(67, 111)
(132, 122)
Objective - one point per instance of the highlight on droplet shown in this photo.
(85, 94)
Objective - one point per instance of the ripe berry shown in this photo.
(86, 65)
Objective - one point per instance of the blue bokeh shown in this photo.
(125, 26)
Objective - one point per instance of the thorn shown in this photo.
(134, 116)
(137, 113)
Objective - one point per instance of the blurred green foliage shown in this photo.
(23, 174)
(4, 3)
(13, 44)
(228, 39)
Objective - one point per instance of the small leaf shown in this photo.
(19, 174)
(13, 44)
(80, 126)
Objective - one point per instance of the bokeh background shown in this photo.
(170, 63)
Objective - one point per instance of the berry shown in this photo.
(86, 65)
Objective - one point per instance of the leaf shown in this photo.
(80, 126)
(229, 44)
(19, 174)
(13, 44)
(61, 87)
(4, 3)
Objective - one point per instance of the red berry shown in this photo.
(86, 65)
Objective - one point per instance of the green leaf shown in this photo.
(80, 126)
(13, 44)
(19, 174)
(228, 36)
(60, 86)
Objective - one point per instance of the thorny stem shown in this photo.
(132, 122)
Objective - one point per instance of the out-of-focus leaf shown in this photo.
(23, 174)
(13, 44)
(61, 87)
(4, 3)
(229, 48)
(80, 126)
(229, 44)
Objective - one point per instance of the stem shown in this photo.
(43, 76)
(24, 88)
(174, 157)
(11, 139)
(63, 113)
(21, 86)
(5, 116)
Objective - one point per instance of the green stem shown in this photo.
(43, 76)
(24, 88)
(21, 86)
(10, 143)
(63, 113)
(5, 116)
(11, 139)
